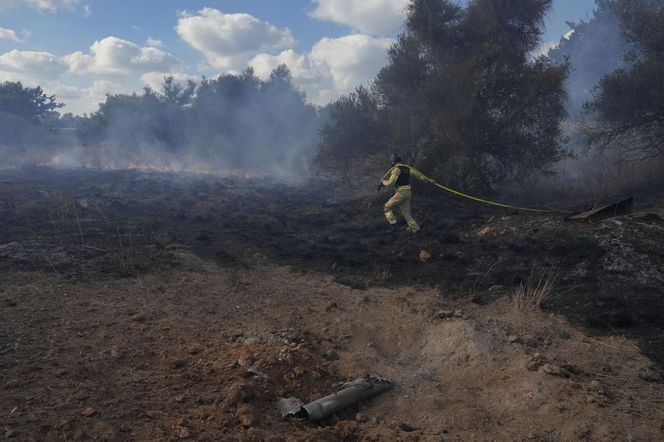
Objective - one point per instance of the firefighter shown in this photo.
(400, 177)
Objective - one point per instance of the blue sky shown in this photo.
(82, 49)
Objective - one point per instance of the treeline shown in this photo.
(234, 122)
(231, 122)
(461, 97)
(464, 98)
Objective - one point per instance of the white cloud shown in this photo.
(43, 69)
(16, 65)
(154, 42)
(376, 17)
(80, 100)
(352, 59)
(114, 56)
(567, 35)
(335, 66)
(41, 5)
(8, 34)
(313, 77)
(229, 40)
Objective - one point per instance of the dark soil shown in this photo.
(87, 224)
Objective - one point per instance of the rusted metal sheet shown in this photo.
(348, 394)
(622, 207)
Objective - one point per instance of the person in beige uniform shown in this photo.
(400, 178)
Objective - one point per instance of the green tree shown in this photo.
(462, 97)
(155, 118)
(628, 104)
(353, 136)
(26, 114)
(30, 104)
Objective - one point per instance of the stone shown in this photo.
(138, 317)
(245, 415)
(88, 412)
(425, 255)
(247, 420)
(406, 427)
(535, 362)
(250, 342)
(444, 314)
(182, 432)
(554, 370)
(597, 386)
(331, 306)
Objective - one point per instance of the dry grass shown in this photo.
(382, 275)
(531, 294)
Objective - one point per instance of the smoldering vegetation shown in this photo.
(593, 48)
(613, 127)
(231, 124)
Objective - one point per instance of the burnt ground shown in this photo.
(108, 236)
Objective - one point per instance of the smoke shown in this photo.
(234, 124)
(593, 49)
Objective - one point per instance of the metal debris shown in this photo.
(348, 394)
(622, 207)
(290, 407)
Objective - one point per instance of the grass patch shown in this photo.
(531, 294)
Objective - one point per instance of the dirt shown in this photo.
(134, 305)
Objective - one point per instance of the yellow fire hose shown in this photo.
(470, 197)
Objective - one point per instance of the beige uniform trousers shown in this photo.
(401, 199)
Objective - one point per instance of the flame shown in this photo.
(103, 157)
(55, 161)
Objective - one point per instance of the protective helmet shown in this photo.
(395, 158)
